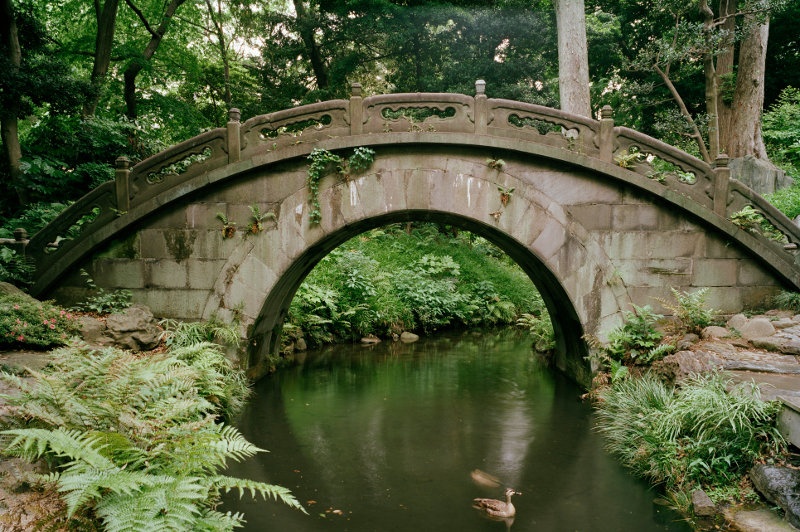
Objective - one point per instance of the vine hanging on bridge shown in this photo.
(324, 162)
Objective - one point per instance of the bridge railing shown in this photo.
(81, 226)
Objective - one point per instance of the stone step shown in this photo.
(789, 420)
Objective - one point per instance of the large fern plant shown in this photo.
(136, 442)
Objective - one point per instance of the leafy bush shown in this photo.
(708, 432)
(689, 310)
(781, 131)
(25, 322)
(135, 440)
(541, 329)
(637, 339)
(14, 268)
(185, 333)
(104, 301)
(389, 280)
(32, 219)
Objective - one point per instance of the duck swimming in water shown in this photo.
(496, 508)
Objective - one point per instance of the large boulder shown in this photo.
(780, 486)
(135, 328)
(762, 176)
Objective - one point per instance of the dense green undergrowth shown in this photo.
(424, 279)
(705, 432)
(136, 442)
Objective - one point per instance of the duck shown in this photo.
(496, 508)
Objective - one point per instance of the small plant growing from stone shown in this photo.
(628, 158)
(228, 226)
(505, 194)
(752, 221)
(496, 164)
(257, 219)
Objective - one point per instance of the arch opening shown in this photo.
(570, 350)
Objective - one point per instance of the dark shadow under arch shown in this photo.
(571, 350)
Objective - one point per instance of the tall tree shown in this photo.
(136, 65)
(9, 112)
(106, 17)
(573, 57)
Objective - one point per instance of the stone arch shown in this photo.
(455, 186)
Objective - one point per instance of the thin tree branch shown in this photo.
(141, 17)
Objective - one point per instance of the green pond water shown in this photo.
(384, 438)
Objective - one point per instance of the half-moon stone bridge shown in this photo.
(601, 217)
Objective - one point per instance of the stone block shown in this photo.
(165, 273)
(153, 244)
(715, 272)
(203, 273)
(418, 189)
(635, 217)
(394, 192)
(593, 217)
(715, 247)
(752, 274)
(118, 273)
(550, 239)
(173, 303)
(789, 420)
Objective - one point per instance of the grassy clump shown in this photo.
(705, 434)
(788, 301)
(390, 280)
(136, 443)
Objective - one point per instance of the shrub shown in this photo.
(541, 329)
(689, 311)
(788, 301)
(637, 339)
(707, 433)
(135, 440)
(26, 322)
(104, 301)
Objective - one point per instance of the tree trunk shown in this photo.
(748, 99)
(216, 21)
(136, 66)
(573, 57)
(9, 125)
(104, 42)
(711, 85)
(307, 30)
(724, 67)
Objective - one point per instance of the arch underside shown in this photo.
(593, 245)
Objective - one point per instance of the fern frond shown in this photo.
(267, 491)
(73, 444)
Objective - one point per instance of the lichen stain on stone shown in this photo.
(180, 243)
(127, 248)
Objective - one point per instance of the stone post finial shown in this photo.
(722, 178)
(234, 115)
(20, 234)
(356, 110)
(122, 179)
(607, 133)
(480, 87)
